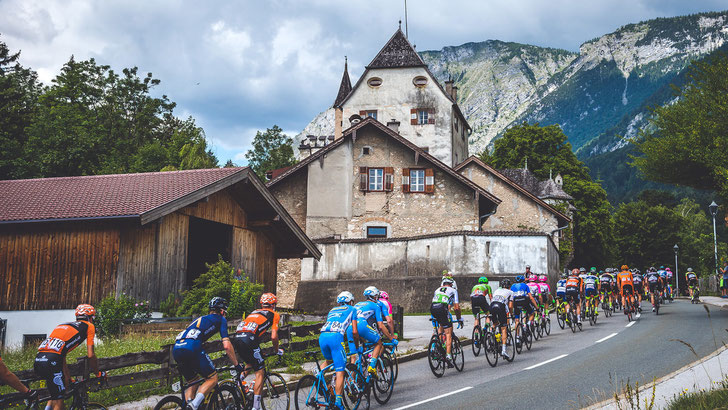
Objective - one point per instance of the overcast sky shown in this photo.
(242, 66)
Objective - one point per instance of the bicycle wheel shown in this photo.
(590, 313)
(275, 393)
(383, 383)
(457, 354)
(533, 329)
(170, 403)
(477, 340)
(491, 346)
(519, 342)
(226, 397)
(436, 357)
(561, 320)
(395, 362)
(306, 395)
(547, 325)
(571, 318)
(357, 391)
(528, 338)
(510, 348)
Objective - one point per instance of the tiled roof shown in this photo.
(100, 196)
(398, 52)
(550, 189)
(344, 87)
(542, 189)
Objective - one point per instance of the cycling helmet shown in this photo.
(446, 274)
(625, 267)
(575, 272)
(543, 278)
(384, 295)
(582, 269)
(447, 281)
(609, 270)
(483, 280)
(662, 268)
(528, 266)
(371, 293)
(593, 269)
(520, 279)
(506, 283)
(690, 269)
(268, 299)
(564, 275)
(85, 311)
(532, 278)
(218, 303)
(652, 269)
(668, 269)
(344, 298)
(601, 271)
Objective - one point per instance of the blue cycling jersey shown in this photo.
(385, 308)
(339, 319)
(590, 282)
(204, 327)
(368, 311)
(520, 291)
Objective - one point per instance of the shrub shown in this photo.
(169, 306)
(111, 311)
(219, 281)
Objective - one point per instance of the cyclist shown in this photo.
(386, 310)
(654, 283)
(500, 306)
(573, 287)
(248, 337)
(624, 282)
(448, 275)
(692, 279)
(545, 290)
(528, 273)
(724, 280)
(605, 286)
(535, 292)
(369, 314)
(590, 286)
(638, 287)
(9, 378)
(561, 288)
(50, 362)
(479, 296)
(384, 298)
(192, 359)
(522, 300)
(331, 340)
(668, 284)
(446, 296)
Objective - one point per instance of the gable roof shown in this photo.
(397, 53)
(351, 131)
(144, 196)
(477, 161)
(344, 87)
(542, 189)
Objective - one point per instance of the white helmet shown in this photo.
(344, 297)
(371, 293)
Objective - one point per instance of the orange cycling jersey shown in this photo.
(573, 282)
(68, 336)
(624, 278)
(259, 321)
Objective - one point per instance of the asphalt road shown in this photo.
(597, 361)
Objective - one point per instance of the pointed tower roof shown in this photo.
(398, 52)
(344, 87)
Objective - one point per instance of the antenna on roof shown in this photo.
(406, 27)
(525, 166)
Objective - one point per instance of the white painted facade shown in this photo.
(394, 99)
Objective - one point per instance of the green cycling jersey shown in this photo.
(481, 290)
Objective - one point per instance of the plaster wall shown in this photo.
(394, 99)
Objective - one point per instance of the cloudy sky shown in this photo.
(242, 66)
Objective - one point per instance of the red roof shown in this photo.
(100, 196)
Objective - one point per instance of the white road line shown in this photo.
(630, 324)
(547, 361)
(605, 338)
(434, 398)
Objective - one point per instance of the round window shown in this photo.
(374, 82)
(420, 81)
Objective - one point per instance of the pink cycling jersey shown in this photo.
(544, 287)
(389, 305)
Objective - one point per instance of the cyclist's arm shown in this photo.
(90, 352)
(226, 345)
(533, 301)
(274, 331)
(355, 332)
(384, 330)
(456, 308)
(11, 379)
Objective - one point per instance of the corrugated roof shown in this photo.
(100, 196)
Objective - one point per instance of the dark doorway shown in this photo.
(207, 239)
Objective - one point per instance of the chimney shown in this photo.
(448, 87)
(338, 122)
(454, 93)
(354, 119)
(393, 125)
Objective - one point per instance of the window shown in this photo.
(417, 180)
(374, 82)
(376, 231)
(376, 179)
(422, 116)
(366, 150)
(419, 81)
(368, 113)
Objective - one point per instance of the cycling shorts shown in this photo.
(500, 316)
(606, 287)
(638, 288)
(692, 282)
(523, 305)
(247, 347)
(655, 287)
(440, 312)
(192, 360)
(367, 332)
(560, 295)
(627, 289)
(333, 348)
(49, 367)
(590, 292)
(572, 294)
(479, 303)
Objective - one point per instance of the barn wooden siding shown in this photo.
(57, 266)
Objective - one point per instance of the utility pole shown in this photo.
(677, 271)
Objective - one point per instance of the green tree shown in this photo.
(547, 150)
(688, 144)
(644, 235)
(271, 150)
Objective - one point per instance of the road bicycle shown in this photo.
(696, 294)
(525, 337)
(382, 380)
(79, 401)
(543, 321)
(492, 344)
(223, 397)
(561, 312)
(606, 304)
(591, 309)
(315, 392)
(436, 352)
(571, 318)
(629, 306)
(390, 352)
(658, 302)
(275, 394)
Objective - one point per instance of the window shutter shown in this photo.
(363, 113)
(405, 180)
(429, 181)
(413, 116)
(388, 178)
(363, 179)
(430, 116)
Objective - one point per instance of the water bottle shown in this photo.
(497, 337)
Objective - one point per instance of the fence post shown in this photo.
(399, 321)
(166, 364)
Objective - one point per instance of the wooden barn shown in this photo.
(65, 241)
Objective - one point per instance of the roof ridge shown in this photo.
(397, 44)
(119, 175)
